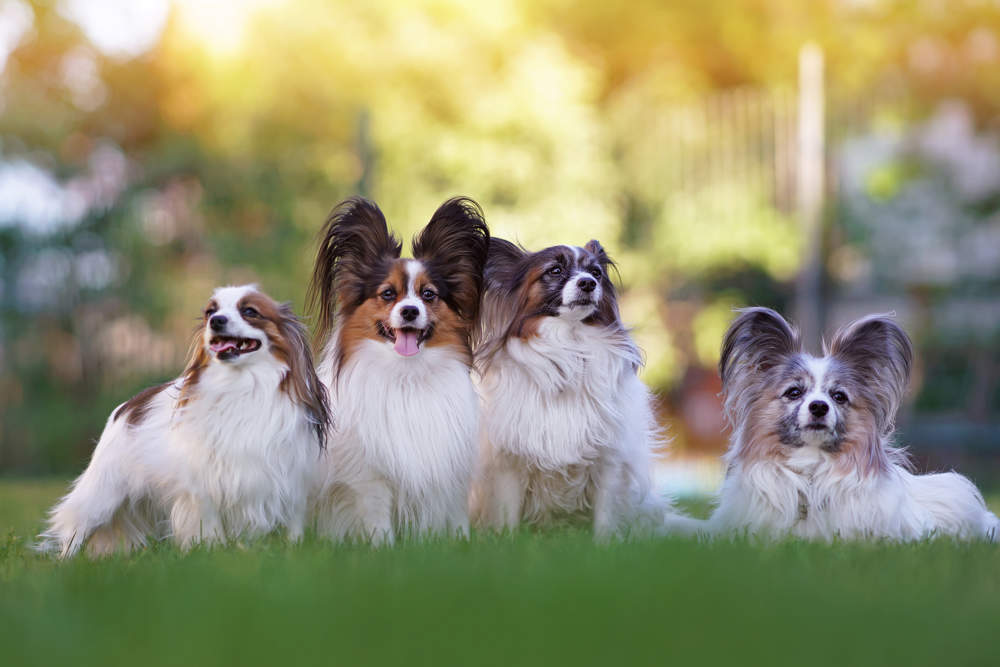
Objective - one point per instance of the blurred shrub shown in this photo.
(133, 180)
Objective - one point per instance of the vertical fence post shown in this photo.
(810, 190)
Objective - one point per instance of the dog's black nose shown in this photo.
(587, 284)
(818, 408)
(218, 322)
(409, 313)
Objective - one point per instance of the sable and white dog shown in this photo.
(811, 454)
(568, 426)
(226, 450)
(397, 362)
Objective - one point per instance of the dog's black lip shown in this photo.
(387, 332)
(233, 352)
(817, 427)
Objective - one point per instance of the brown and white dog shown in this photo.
(397, 361)
(568, 426)
(228, 449)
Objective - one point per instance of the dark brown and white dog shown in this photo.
(568, 426)
(226, 450)
(811, 453)
(397, 361)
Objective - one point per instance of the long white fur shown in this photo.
(402, 451)
(807, 495)
(236, 461)
(568, 428)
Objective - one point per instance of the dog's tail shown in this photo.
(657, 515)
(682, 525)
(94, 497)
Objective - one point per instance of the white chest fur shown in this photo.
(568, 429)
(411, 419)
(556, 399)
(243, 447)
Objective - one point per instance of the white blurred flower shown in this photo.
(16, 21)
(121, 29)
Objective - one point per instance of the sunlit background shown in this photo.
(827, 159)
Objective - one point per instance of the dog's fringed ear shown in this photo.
(756, 341)
(301, 381)
(502, 264)
(355, 245)
(454, 246)
(880, 352)
(595, 248)
(505, 266)
(198, 360)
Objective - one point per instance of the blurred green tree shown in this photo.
(132, 183)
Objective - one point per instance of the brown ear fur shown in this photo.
(453, 247)
(880, 352)
(301, 382)
(198, 360)
(756, 341)
(355, 246)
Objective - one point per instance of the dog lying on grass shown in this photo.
(811, 453)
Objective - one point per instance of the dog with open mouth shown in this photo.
(811, 453)
(397, 362)
(227, 450)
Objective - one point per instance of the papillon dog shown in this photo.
(397, 362)
(568, 427)
(227, 450)
(811, 453)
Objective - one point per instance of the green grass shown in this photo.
(528, 599)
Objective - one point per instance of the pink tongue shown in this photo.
(224, 345)
(406, 342)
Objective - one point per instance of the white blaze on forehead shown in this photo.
(818, 368)
(815, 390)
(413, 269)
(230, 295)
(576, 253)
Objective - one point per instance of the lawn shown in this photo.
(527, 599)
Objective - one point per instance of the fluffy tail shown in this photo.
(657, 515)
(677, 523)
(93, 500)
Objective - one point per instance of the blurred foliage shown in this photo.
(131, 183)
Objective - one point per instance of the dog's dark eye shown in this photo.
(388, 294)
(839, 397)
(555, 271)
(596, 272)
(210, 311)
(249, 312)
(793, 393)
(428, 295)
